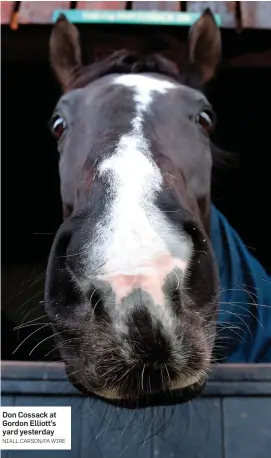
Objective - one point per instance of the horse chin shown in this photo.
(168, 397)
(162, 398)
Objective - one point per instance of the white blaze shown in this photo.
(135, 231)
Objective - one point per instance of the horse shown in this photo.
(133, 286)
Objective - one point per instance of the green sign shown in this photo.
(131, 17)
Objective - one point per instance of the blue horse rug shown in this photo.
(244, 321)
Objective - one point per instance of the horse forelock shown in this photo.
(125, 62)
(131, 62)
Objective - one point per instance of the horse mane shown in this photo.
(125, 62)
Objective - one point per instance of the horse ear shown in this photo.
(204, 49)
(65, 51)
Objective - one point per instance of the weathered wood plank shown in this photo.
(6, 12)
(227, 10)
(49, 378)
(238, 388)
(101, 5)
(25, 370)
(247, 429)
(39, 12)
(244, 372)
(30, 370)
(195, 431)
(7, 401)
(256, 15)
(33, 387)
(156, 6)
(110, 432)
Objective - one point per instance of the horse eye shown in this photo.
(205, 119)
(58, 125)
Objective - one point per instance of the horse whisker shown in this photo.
(34, 332)
(46, 338)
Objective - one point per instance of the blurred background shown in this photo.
(31, 206)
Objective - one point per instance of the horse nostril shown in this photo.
(61, 289)
(154, 356)
(97, 302)
(175, 296)
(62, 245)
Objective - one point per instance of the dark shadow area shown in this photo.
(241, 99)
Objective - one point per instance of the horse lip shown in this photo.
(161, 398)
